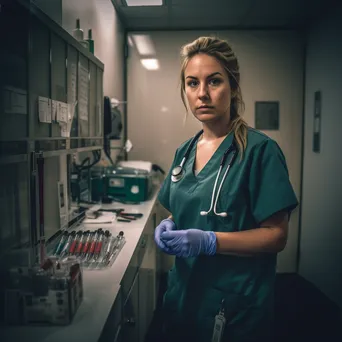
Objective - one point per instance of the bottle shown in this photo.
(90, 41)
(78, 32)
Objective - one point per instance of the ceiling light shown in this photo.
(144, 2)
(144, 44)
(150, 63)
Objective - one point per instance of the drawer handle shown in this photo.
(130, 321)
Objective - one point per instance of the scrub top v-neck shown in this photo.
(218, 153)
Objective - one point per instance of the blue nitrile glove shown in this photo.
(189, 243)
(164, 226)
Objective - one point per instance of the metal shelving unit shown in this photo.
(40, 59)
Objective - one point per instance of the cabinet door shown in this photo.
(148, 279)
(130, 326)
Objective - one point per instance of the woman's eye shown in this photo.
(215, 81)
(192, 84)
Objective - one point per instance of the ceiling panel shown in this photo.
(144, 12)
(201, 23)
(197, 14)
(208, 3)
(143, 24)
(210, 13)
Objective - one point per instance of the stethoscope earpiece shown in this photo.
(222, 214)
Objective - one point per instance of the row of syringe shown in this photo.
(97, 246)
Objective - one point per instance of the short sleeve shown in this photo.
(269, 184)
(164, 192)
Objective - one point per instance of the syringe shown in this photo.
(87, 244)
(74, 243)
(93, 244)
(81, 242)
(61, 243)
(67, 244)
(119, 240)
(99, 244)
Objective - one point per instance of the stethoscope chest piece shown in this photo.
(177, 174)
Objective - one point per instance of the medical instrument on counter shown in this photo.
(117, 245)
(91, 251)
(109, 245)
(178, 172)
(65, 250)
(125, 183)
(98, 245)
(74, 242)
(94, 250)
(122, 216)
(220, 323)
(61, 243)
(87, 244)
(81, 241)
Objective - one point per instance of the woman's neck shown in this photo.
(214, 132)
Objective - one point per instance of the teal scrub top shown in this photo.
(255, 188)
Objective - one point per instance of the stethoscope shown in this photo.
(178, 172)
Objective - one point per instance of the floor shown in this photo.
(302, 313)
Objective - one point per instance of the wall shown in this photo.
(271, 69)
(321, 233)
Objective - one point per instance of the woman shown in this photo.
(226, 228)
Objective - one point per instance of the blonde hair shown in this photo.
(222, 51)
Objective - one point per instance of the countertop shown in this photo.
(100, 286)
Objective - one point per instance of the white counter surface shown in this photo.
(100, 286)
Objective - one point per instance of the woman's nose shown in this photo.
(203, 91)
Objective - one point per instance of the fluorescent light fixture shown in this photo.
(144, 44)
(144, 2)
(150, 63)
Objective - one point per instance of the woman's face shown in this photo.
(207, 89)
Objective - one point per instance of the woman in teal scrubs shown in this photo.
(225, 238)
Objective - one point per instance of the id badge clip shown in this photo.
(220, 323)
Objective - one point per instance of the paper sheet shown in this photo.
(83, 86)
(105, 217)
(44, 109)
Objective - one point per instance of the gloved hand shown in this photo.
(164, 226)
(189, 243)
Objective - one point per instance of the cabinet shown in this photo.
(138, 291)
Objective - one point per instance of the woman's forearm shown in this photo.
(251, 242)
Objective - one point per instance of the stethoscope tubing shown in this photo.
(178, 172)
